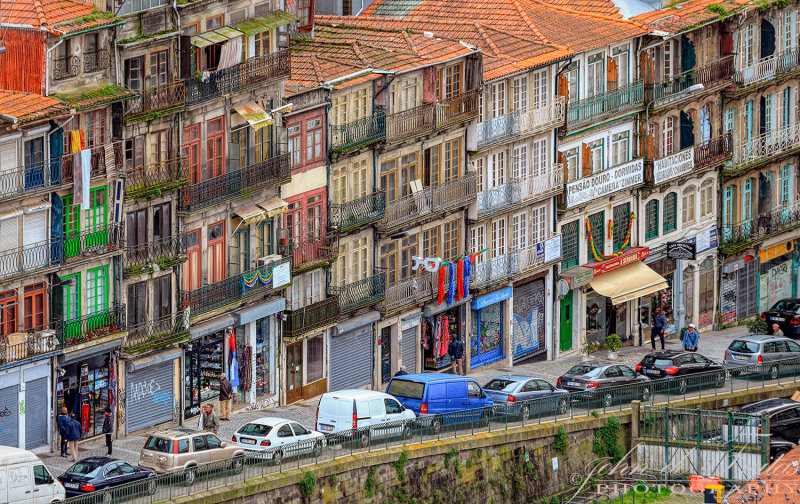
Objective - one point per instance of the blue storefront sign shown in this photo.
(488, 328)
(494, 297)
(705, 240)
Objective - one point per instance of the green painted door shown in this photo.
(72, 228)
(97, 220)
(72, 308)
(565, 337)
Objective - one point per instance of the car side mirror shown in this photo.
(402, 408)
(50, 480)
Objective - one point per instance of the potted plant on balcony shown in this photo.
(588, 348)
(612, 344)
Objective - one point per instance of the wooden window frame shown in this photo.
(36, 299)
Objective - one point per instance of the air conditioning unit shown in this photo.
(263, 261)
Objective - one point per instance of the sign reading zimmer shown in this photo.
(605, 182)
(673, 166)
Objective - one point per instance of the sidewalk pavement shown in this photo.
(712, 344)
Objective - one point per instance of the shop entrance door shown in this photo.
(565, 338)
(294, 372)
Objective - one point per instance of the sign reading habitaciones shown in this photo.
(605, 182)
(673, 166)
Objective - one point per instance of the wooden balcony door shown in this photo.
(294, 372)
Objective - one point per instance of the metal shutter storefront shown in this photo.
(528, 320)
(409, 349)
(149, 396)
(9, 417)
(351, 359)
(35, 410)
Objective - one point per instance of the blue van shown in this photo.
(428, 394)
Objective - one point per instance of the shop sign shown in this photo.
(493, 298)
(681, 250)
(281, 274)
(408, 323)
(673, 166)
(605, 182)
(578, 277)
(705, 240)
(629, 257)
(552, 249)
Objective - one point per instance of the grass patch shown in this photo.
(307, 483)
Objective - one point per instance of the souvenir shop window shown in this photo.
(262, 357)
(487, 334)
(314, 362)
(437, 332)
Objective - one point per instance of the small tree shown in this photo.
(613, 343)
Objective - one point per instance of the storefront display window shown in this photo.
(262, 357)
(595, 317)
(86, 392)
(314, 369)
(204, 363)
(437, 332)
(486, 344)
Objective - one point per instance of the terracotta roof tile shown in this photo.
(95, 95)
(602, 7)
(778, 483)
(683, 16)
(59, 16)
(29, 107)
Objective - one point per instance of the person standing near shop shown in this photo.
(659, 323)
(456, 351)
(225, 394)
(63, 430)
(690, 338)
(73, 436)
(108, 429)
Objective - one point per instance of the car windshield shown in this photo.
(405, 388)
(499, 384)
(650, 360)
(582, 369)
(743, 346)
(787, 305)
(86, 469)
(254, 429)
(158, 444)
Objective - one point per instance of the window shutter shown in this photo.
(563, 86)
(35, 228)
(647, 68)
(562, 160)
(612, 74)
(185, 45)
(56, 228)
(586, 159)
(9, 233)
(56, 152)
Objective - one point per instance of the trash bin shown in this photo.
(713, 494)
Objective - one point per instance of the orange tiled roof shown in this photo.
(778, 483)
(29, 107)
(683, 16)
(602, 7)
(59, 16)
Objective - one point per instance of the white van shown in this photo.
(347, 410)
(25, 480)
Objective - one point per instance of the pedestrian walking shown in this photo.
(456, 351)
(208, 419)
(402, 371)
(659, 323)
(108, 428)
(776, 330)
(73, 436)
(63, 429)
(690, 338)
(225, 395)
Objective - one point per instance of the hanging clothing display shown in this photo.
(437, 332)
(440, 298)
(460, 280)
(451, 288)
(245, 369)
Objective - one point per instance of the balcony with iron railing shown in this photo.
(155, 334)
(410, 123)
(156, 178)
(89, 243)
(520, 191)
(274, 170)
(414, 290)
(155, 102)
(105, 160)
(29, 258)
(29, 179)
(456, 109)
(361, 293)
(308, 318)
(358, 212)
(358, 134)
(311, 252)
(66, 67)
(766, 69)
(518, 123)
(746, 233)
(210, 192)
(677, 88)
(228, 291)
(614, 102)
(18, 347)
(764, 148)
(163, 252)
(691, 160)
(508, 266)
(453, 194)
(100, 324)
(95, 61)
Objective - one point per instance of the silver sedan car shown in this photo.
(521, 395)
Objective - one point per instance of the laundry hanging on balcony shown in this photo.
(231, 53)
(254, 114)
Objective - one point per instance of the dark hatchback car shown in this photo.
(101, 475)
(680, 366)
(604, 382)
(785, 313)
(515, 394)
(784, 423)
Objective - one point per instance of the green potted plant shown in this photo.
(588, 348)
(612, 344)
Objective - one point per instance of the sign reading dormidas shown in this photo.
(605, 182)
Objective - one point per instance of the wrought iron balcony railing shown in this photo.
(358, 212)
(155, 334)
(737, 237)
(453, 194)
(769, 67)
(604, 105)
(20, 346)
(228, 291)
(713, 151)
(411, 122)
(361, 293)
(105, 160)
(237, 78)
(210, 192)
(359, 133)
(156, 178)
(165, 252)
(675, 89)
(508, 127)
(516, 192)
(310, 253)
(156, 101)
(28, 258)
(93, 242)
(771, 143)
(417, 289)
(459, 108)
(308, 318)
(27, 179)
(505, 267)
(94, 326)
(96, 60)
(270, 171)
(64, 68)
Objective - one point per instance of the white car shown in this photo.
(269, 434)
(351, 410)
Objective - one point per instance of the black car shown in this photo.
(785, 313)
(784, 423)
(680, 366)
(102, 474)
(604, 382)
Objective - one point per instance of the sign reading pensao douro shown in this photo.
(605, 182)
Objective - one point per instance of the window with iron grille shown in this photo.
(670, 212)
(622, 215)
(569, 244)
(651, 220)
(598, 235)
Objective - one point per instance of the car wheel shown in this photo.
(719, 381)
(317, 449)
(277, 457)
(189, 476)
(407, 430)
(237, 464)
(151, 486)
(645, 394)
(773, 373)
(525, 413)
(436, 426)
(608, 399)
(562, 406)
(682, 386)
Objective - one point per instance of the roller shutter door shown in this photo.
(35, 410)
(149, 396)
(351, 359)
(9, 417)
(409, 349)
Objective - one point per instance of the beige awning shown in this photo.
(256, 116)
(628, 282)
(250, 215)
(215, 36)
(273, 207)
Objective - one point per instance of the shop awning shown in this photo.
(215, 36)
(256, 116)
(266, 22)
(628, 282)
(273, 207)
(250, 215)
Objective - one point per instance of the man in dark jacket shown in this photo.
(402, 371)
(108, 428)
(63, 429)
(456, 351)
(225, 394)
(208, 419)
(73, 436)
(659, 324)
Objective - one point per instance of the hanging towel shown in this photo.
(444, 335)
(77, 179)
(86, 175)
(231, 53)
(467, 273)
(75, 143)
(460, 280)
(451, 288)
(233, 368)
(441, 286)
